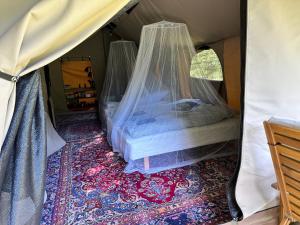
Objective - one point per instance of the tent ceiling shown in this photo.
(207, 20)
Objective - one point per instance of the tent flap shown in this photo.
(46, 32)
(271, 89)
(49, 30)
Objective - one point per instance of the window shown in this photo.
(206, 65)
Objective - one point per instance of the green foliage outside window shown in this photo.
(206, 65)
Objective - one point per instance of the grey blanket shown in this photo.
(144, 124)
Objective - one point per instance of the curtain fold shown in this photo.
(23, 157)
(46, 32)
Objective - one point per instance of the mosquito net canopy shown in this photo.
(120, 64)
(161, 100)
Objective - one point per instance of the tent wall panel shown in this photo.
(12, 11)
(204, 26)
(93, 47)
(218, 47)
(7, 99)
(47, 31)
(38, 39)
(271, 89)
(232, 69)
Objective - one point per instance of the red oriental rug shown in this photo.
(86, 185)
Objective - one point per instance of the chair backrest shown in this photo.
(284, 143)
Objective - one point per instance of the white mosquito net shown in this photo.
(120, 64)
(162, 100)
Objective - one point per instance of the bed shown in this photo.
(177, 132)
(225, 130)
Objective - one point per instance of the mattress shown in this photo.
(145, 124)
(160, 143)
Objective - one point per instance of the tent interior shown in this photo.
(73, 105)
(211, 24)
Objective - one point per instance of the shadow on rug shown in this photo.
(86, 185)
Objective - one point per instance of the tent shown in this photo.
(270, 50)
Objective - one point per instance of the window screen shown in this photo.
(206, 65)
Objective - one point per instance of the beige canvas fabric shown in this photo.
(271, 89)
(44, 31)
(207, 20)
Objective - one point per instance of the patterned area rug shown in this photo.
(86, 185)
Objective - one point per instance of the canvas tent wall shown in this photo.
(272, 78)
(26, 45)
(96, 47)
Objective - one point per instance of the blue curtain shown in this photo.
(23, 157)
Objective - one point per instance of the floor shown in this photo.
(266, 217)
(86, 185)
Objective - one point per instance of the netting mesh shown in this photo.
(120, 64)
(161, 101)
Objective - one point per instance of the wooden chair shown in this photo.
(284, 143)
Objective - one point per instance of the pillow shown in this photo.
(196, 100)
(154, 97)
(186, 104)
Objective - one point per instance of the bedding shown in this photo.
(177, 140)
(143, 123)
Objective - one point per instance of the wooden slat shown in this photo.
(285, 131)
(292, 190)
(295, 209)
(294, 200)
(284, 143)
(291, 173)
(289, 162)
(288, 152)
(283, 140)
(292, 182)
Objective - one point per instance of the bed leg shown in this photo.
(146, 163)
